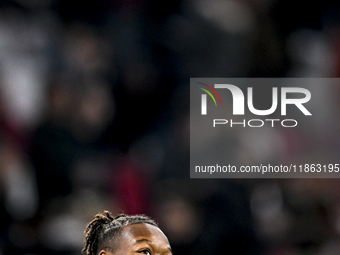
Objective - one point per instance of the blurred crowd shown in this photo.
(94, 115)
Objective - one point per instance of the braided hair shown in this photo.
(104, 230)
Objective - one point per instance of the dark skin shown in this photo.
(140, 239)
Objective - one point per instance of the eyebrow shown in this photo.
(143, 240)
(149, 241)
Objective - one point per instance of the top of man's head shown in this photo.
(104, 230)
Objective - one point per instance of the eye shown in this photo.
(146, 251)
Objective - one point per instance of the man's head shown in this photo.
(125, 235)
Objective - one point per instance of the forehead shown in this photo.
(132, 233)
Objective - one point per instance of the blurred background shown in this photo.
(94, 115)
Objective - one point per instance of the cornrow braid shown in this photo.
(104, 229)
